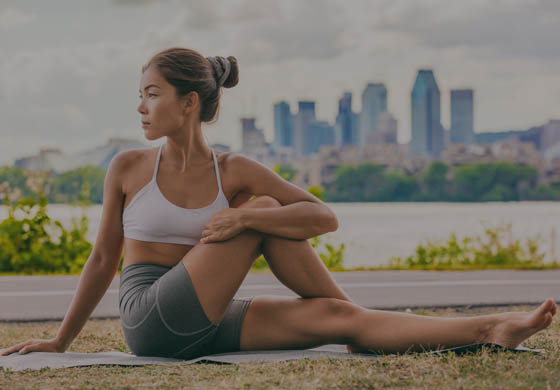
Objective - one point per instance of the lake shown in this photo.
(373, 232)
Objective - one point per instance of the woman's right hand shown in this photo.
(35, 345)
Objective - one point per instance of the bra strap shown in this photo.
(157, 162)
(217, 170)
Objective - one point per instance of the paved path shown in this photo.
(33, 298)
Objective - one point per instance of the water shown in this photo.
(373, 232)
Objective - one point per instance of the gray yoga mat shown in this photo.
(39, 360)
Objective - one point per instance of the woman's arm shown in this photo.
(104, 260)
(94, 282)
(300, 220)
(99, 269)
(301, 215)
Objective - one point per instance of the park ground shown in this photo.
(480, 370)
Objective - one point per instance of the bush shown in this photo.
(495, 250)
(27, 244)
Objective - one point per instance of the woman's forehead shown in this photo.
(151, 77)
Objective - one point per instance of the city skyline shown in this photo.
(67, 84)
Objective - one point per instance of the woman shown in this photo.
(185, 258)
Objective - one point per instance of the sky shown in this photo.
(70, 69)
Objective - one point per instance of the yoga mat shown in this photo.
(39, 360)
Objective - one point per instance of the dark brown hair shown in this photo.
(188, 70)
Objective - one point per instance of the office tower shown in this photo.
(427, 132)
(283, 125)
(317, 133)
(550, 134)
(356, 137)
(304, 116)
(374, 102)
(462, 129)
(386, 132)
(344, 118)
(252, 137)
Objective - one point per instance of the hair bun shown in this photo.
(226, 71)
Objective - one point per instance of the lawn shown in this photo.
(482, 370)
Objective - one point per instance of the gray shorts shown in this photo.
(162, 316)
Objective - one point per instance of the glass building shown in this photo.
(304, 116)
(427, 132)
(462, 128)
(374, 102)
(283, 125)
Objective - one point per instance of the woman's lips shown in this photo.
(145, 124)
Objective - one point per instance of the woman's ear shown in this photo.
(190, 102)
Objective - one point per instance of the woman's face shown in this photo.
(162, 112)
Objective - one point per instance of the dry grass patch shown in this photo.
(421, 371)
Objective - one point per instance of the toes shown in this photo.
(546, 306)
(548, 319)
(554, 308)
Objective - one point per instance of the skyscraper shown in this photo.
(304, 116)
(283, 125)
(374, 102)
(252, 137)
(344, 120)
(462, 129)
(317, 133)
(427, 131)
(347, 131)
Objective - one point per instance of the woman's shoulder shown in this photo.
(134, 157)
(134, 164)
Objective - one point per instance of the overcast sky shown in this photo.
(70, 70)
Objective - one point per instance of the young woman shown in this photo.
(191, 233)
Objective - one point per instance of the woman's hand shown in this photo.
(35, 345)
(223, 225)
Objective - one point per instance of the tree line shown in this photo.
(367, 182)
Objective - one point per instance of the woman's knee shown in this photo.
(263, 201)
(334, 307)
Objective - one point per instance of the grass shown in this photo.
(504, 370)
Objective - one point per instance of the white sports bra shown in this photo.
(151, 217)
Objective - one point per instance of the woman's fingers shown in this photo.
(32, 345)
(16, 348)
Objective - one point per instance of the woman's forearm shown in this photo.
(94, 282)
(300, 220)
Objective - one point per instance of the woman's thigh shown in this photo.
(217, 269)
(274, 322)
(160, 312)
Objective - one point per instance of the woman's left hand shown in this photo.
(222, 226)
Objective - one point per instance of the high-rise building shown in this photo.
(344, 120)
(318, 133)
(551, 134)
(252, 137)
(386, 132)
(304, 116)
(427, 131)
(374, 102)
(462, 127)
(283, 125)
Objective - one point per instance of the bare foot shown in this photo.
(515, 327)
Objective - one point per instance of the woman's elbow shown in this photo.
(334, 223)
(331, 221)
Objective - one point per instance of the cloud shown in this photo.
(310, 29)
(499, 29)
(10, 18)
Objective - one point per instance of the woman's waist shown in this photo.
(157, 253)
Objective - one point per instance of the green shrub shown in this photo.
(496, 249)
(37, 244)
